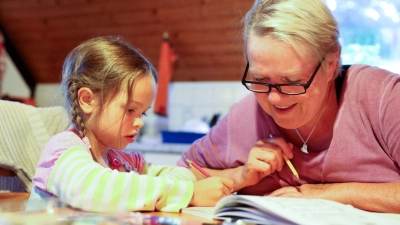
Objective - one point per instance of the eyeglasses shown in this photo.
(287, 89)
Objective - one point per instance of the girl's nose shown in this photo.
(138, 122)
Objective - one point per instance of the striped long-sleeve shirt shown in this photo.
(66, 169)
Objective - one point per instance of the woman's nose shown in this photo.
(275, 96)
(274, 93)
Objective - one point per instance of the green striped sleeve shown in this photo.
(83, 183)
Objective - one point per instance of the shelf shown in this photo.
(158, 148)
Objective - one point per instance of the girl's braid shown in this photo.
(75, 109)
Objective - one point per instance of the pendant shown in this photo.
(304, 148)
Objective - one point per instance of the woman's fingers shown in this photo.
(285, 147)
(265, 157)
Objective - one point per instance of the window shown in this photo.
(369, 31)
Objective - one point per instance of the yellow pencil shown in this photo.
(291, 167)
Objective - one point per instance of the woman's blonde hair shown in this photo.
(307, 25)
(102, 64)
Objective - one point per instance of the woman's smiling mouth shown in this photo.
(284, 109)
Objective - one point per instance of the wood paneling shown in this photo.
(207, 34)
(6, 173)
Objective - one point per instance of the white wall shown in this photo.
(48, 95)
(13, 83)
(186, 101)
(200, 100)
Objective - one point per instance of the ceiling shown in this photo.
(205, 33)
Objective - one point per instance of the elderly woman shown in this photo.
(340, 129)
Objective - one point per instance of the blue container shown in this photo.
(180, 137)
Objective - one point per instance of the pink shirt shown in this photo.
(61, 142)
(66, 169)
(365, 146)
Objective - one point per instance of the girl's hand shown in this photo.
(208, 191)
(264, 159)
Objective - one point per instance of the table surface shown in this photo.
(13, 212)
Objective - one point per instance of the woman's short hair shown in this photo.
(307, 25)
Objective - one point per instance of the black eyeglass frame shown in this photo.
(278, 86)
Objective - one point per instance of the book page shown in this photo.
(296, 210)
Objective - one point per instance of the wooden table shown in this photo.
(13, 201)
(13, 213)
(13, 196)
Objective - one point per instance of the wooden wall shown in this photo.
(207, 34)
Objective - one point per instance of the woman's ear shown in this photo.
(86, 100)
(332, 64)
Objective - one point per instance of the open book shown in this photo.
(279, 210)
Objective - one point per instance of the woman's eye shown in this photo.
(144, 114)
(294, 82)
(291, 81)
(260, 80)
(264, 80)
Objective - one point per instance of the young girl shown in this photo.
(108, 86)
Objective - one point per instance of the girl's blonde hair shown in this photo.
(307, 25)
(102, 64)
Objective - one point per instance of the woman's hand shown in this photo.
(375, 197)
(208, 191)
(293, 192)
(333, 192)
(326, 191)
(264, 159)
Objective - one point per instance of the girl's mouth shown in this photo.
(130, 139)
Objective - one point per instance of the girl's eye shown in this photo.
(132, 111)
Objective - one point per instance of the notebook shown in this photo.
(279, 210)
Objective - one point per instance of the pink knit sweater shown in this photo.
(365, 145)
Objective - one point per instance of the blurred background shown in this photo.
(204, 34)
(370, 31)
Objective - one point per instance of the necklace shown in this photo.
(304, 148)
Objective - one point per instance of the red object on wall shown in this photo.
(165, 71)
